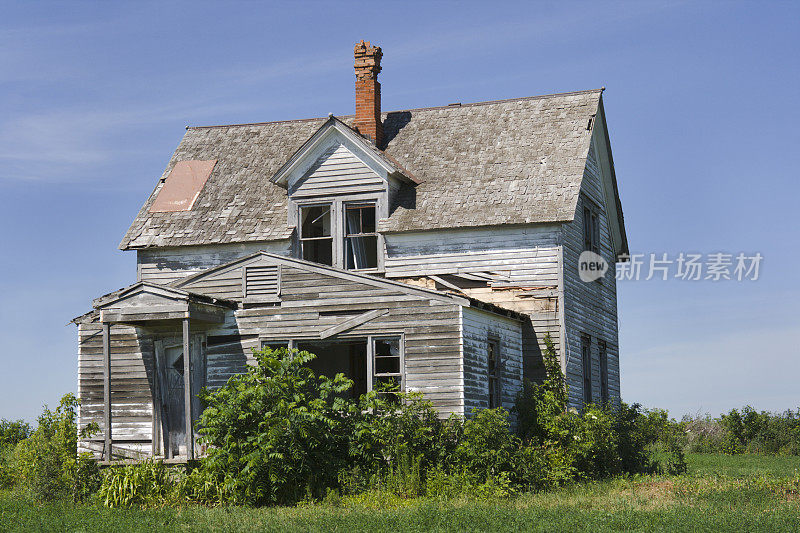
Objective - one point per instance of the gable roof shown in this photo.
(333, 128)
(513, 161)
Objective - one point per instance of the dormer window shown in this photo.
(339, 233)
(316, 239)
(360, 237)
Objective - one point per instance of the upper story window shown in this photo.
(360, 237)
(339, 233)
(591, 229)
(316, 238)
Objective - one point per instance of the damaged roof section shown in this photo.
(182, 186)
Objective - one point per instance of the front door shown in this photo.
(170, 404)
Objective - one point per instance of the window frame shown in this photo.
(338, 227)
(586, 368)
(371, 374)
(331, 237)
(602, 348)
(591, 226)
(345, 235)
(494, 374)
(265, 340)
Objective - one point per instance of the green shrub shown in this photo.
(745, 431)
(487, 447)
(278, 432)
(538, 406)
(46, 462)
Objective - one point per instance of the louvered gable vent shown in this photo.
(261, 282)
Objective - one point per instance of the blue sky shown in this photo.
(702, 108)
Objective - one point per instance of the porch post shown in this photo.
(187, 390)
(107, 388)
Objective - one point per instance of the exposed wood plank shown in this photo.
(353, 322)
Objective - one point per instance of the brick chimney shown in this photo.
(368, 91)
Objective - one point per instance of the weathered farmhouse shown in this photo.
(431, 248)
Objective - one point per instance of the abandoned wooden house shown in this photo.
(431, 248)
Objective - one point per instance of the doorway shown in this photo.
(169, 402)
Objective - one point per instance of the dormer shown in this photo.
(339, 185)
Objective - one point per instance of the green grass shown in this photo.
(747, 493)
(703, 464)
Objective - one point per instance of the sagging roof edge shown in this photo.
(457, 299)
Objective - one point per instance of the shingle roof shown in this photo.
(505, 162)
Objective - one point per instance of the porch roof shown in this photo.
(145, 301)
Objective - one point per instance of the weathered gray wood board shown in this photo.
(478, 328)
(590, 308)
(312, 304)
(337, 171)
(167, 265)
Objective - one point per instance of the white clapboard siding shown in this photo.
(166, 265)
(337, 171)
(478, 327)
(590, 308)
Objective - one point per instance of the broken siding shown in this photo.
(591, 308)
(478, 328)
(523, 261)
(167, 265)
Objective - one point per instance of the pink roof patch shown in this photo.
(183, 186)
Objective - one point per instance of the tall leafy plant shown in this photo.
(277, 432)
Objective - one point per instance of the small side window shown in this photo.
(603, 371)
(494, 366)
(591, 230)
(586, 363)
(387, 365)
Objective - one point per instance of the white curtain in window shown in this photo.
(356, 250)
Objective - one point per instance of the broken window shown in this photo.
(316, 240)
(361, 239)
(371, 362)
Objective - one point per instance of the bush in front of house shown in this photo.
(280, 434)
